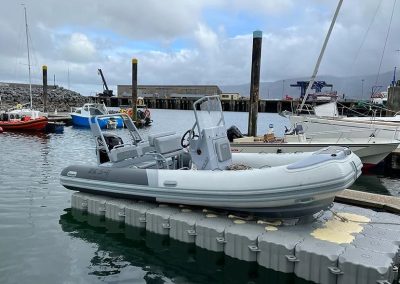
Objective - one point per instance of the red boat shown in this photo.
(38, 124)
(26, 123)
(24, 119)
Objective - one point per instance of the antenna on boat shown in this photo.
(311, 83)
(29, 58)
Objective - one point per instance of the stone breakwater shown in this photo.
(57, 97)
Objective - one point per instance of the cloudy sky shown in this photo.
(193, 41)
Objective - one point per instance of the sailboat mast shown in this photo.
(311, 83)
(29, 58)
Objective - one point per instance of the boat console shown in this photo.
(209, 148)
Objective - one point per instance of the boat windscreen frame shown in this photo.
(133, 131)
(209, 102)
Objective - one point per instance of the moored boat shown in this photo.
(82, 116)
(328, 123)
(370, 150)
(143, 114)
(21, 119)
(206, 173)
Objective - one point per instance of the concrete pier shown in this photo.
(346, 244)
(240, 105)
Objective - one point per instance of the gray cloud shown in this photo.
(85, 36)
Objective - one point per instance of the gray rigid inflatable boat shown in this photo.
(199, 169)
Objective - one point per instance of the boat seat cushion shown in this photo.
(156, 135)
(123, 153)
(168, 144)
(143, 148)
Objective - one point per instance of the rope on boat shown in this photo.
(238, 167)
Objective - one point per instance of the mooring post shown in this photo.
(255, 83)
(393, 101)
(134, 88)
(44, 69)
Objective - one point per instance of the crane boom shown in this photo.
(106, 91)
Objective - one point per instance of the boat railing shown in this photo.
(133, 131)
(159, 158)
(73, 109)
(18, 106)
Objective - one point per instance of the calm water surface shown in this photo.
(43, 241)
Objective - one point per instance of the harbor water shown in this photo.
(43, 240)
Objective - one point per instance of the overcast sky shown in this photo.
(193, 41)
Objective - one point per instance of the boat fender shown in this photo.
(1, 130)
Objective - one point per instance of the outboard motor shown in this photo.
(233, 132)
(112, 140)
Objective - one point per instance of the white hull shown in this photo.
(369, 153)
(333, 128)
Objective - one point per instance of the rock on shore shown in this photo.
(58, 98)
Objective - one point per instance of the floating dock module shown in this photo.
(242, 240)
(158, 219)
(135, 213)
(210, 232)
(346, 245)
(183, 225)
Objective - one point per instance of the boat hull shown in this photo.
(279, 191)
(38, 124)
(332, 128)
(370, 154)
(83, 121)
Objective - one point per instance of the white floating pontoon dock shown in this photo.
(346, 245)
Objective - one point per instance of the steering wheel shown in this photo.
(186, 137)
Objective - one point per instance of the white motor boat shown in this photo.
(199, 169)
(370, 150)
(327, 123)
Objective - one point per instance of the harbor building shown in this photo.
(169, 91)
(230, 96)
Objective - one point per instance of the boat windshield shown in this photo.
(95, 111)
(209, 112)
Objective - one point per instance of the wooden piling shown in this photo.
(393, 102)
(44, 69)
(134, 89)
(255, 83)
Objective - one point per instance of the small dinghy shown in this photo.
(199, 169)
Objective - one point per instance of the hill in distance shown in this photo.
(352, 87)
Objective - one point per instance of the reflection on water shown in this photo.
(379, 181)
(159, 259)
